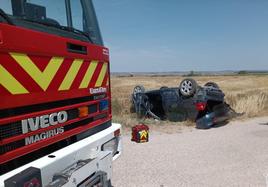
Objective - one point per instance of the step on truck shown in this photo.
(55, 98)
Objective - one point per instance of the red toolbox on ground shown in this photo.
(140, 133)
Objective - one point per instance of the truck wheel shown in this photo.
(188, 87)
(212, 84)
(138, 89)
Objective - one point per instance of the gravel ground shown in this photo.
(231, 155)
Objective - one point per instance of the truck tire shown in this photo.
(212, 84)
(188, 87)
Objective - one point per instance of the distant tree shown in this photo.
(192, 73)
(242, 72)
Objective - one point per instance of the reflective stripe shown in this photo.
(101, 75)
(70, 76)
(10, 83)
(44, 78)
(89, 73)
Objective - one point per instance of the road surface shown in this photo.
(231, 155)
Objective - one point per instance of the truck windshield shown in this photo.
(77, 16)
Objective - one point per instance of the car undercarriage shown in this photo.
(203, 104)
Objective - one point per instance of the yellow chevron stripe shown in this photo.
(43, 79)
(101, 75)
(10, 83)
(88, 76)
(71, 74)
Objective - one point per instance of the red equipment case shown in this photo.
(140, 133)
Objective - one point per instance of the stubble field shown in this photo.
(247, 94)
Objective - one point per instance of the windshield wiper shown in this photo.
(65, 28)
(5, 16)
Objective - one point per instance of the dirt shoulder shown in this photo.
(231, 155)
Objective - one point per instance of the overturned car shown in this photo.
(203, 104)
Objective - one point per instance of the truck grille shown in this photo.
(11, 146)
(17, 144)
(10, 130)
(15, 129)
(21, 143)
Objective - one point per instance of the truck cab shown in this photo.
(55, 113)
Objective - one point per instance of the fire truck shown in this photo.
(55, 96)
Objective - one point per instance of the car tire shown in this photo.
(188, 87)
(212, 84)
(138, 89)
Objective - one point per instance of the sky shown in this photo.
(184, 35)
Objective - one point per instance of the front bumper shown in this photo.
(87, 151)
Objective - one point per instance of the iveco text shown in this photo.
(33, 124)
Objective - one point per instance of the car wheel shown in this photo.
(138, 89)
(212, 84)
(188, 87)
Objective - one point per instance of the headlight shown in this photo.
(111, 145)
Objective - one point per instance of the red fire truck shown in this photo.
(55, 99)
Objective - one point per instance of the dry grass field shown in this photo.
(248, 94)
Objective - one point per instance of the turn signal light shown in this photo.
(83, 111)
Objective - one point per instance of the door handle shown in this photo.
(75, 48)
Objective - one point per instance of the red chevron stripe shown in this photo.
(105, 79)
(95, 75)
(57, 80)
(3, 91)
(18, 72)
(80, 75)
(40, 61)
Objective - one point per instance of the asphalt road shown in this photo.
(231, 155)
